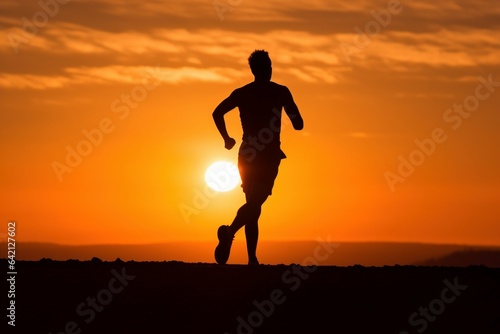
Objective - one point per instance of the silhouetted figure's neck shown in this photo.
(261, 81)
(263, 77)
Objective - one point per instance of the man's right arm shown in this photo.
(292, 111)
(218, 115)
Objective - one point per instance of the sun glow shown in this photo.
(222, 176)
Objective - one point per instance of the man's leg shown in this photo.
(252, 237)
(252, 225)
(255, 197)
(248, 216)
(248, 213)
(258, 182)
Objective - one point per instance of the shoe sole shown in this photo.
(224, 247)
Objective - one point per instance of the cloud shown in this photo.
(70, 38)
(28, 81)
(301, 55)
(305, 56)
(401, 51)
(187, 39)
(118, 74)
(361, 135)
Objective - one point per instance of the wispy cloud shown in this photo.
(196, 46)
(117, 74)
(363, 135)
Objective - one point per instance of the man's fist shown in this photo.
(229, 143)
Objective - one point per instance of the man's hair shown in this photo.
(259, 62)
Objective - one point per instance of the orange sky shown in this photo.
(143, 77)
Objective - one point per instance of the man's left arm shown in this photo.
(292, 111)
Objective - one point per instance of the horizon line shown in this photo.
(264, 241)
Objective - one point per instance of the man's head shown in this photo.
(261, 65)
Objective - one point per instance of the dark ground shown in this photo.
(173, 297)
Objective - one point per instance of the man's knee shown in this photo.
(253, 204)
(256, 200)
(257, 195)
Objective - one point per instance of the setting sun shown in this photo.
(222, 176)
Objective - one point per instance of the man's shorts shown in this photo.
(259, 173)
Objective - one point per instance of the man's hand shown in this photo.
(229, 143)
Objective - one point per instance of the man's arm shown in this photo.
(292, 111)
(218, 115)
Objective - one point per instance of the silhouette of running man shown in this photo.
(260, 104)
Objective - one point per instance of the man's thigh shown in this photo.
(258, 176)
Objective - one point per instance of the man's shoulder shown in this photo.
(241, 89)
(272, 83)
(248, 88)
(280, 88)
